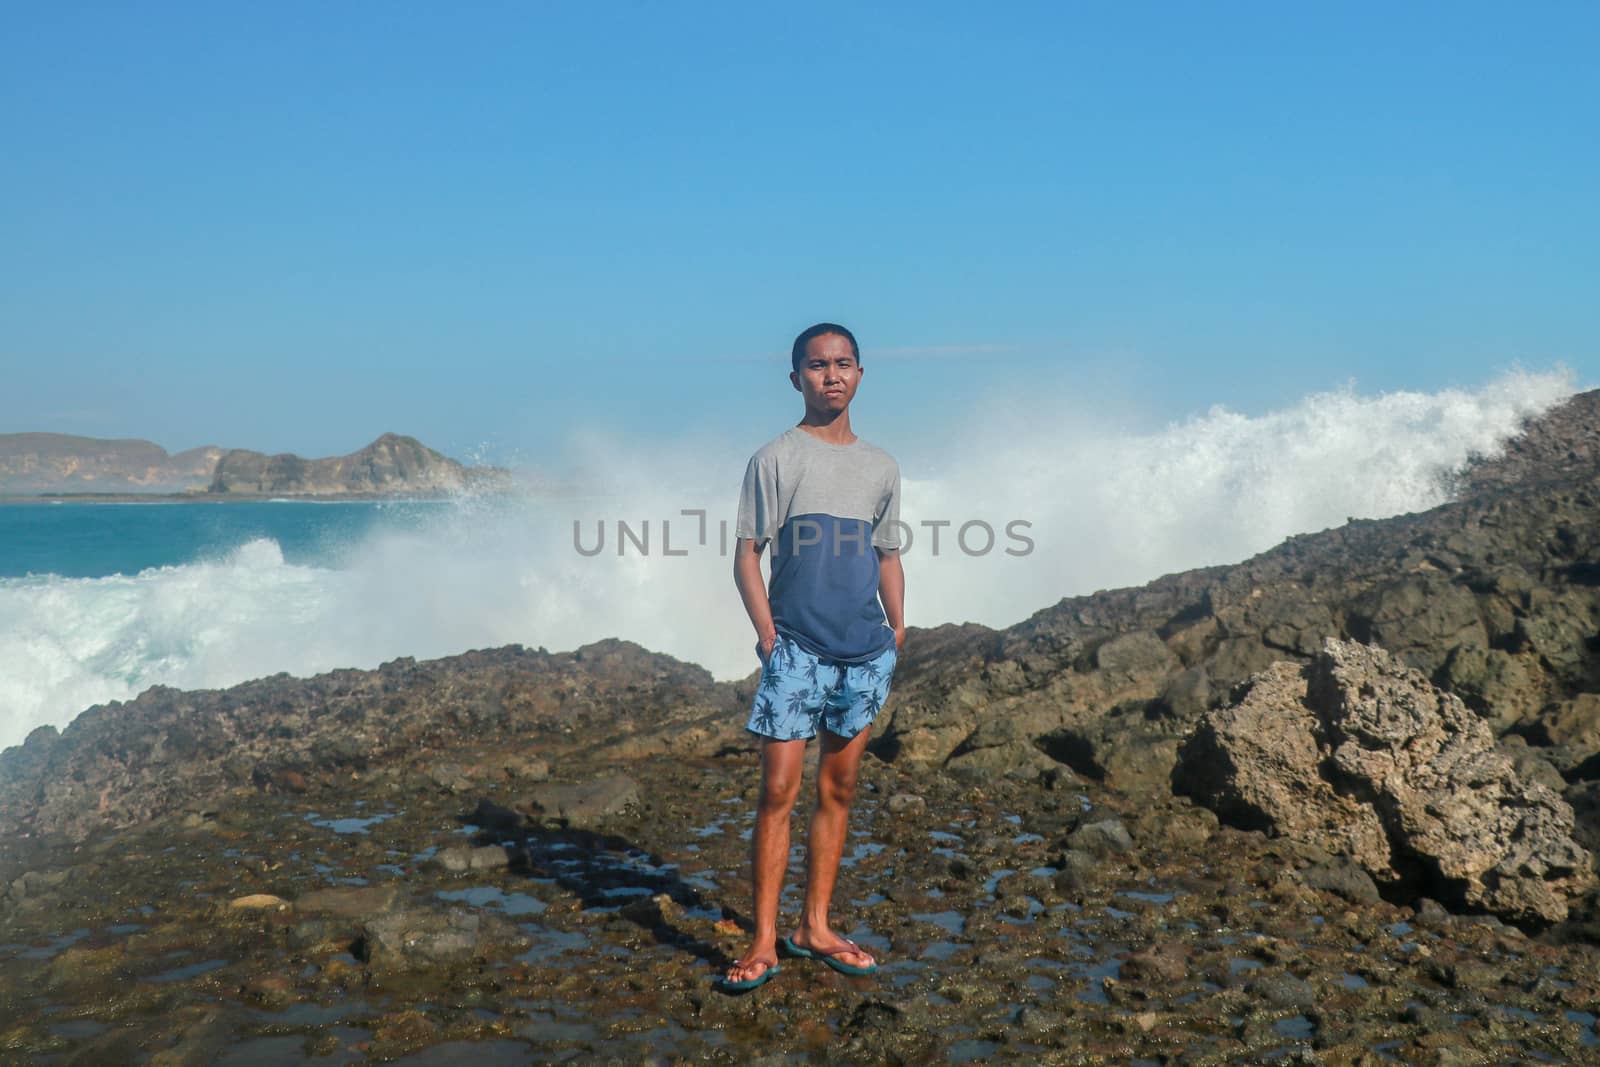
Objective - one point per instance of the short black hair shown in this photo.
(821, 329)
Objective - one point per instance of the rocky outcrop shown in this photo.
(1496, 597)
(391, 464)
(124, 763)
(1362, 757)
(33, 463)
(1562, 442)
(47, 463)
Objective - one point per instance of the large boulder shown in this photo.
(1363, 757)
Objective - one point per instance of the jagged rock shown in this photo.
(582, 802)
(907, 804)
(124, 763)
(1105, 837)
(353, 902)
(1076, 870)
(419, 938)
(1165, 961)
(461, 858)
(1421, 619)
(1139, 652)
(1366, 759)
(1342, 878)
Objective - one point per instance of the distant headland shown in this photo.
(49, 466)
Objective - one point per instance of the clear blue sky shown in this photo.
(292, 226)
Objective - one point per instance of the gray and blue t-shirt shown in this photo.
(825, 508)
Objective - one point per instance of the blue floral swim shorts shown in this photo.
(800, 692)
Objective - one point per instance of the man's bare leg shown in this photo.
(837, 769)
(781, 765)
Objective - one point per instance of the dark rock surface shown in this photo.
(123, 763)
(517, 856)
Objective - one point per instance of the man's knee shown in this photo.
(779, 792)
(836, 786)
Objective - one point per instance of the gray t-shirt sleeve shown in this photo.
(886, 523)
(758, 503)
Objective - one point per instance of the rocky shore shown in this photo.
(1337, 804)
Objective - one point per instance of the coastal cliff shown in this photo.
(44, 464)
(1337, 802)
(34, 463)
(392, 464)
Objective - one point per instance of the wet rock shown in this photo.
(1343, 878)
(651, 912)
(1282, 990)
(272, 990)
(528, 768)
(461, 858)
(1365, 758)
(497, 818)
(205, 1033)
(1188, 827)
(1077, 870)
(35, 885)
(906, 804)
(1429, 910)
(258, 902)
(450, 777)
(1165, 961)
(419, 938)
(354, 902)
(1104, 837)
(584, 802)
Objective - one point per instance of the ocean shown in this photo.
(101, 601)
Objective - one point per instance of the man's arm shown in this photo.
(753, 591)
(892, 591)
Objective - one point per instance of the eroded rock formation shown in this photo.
(1363, 757)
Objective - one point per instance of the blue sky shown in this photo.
(294, 226)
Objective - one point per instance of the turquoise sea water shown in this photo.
(95, 540)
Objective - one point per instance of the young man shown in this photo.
(829, 503)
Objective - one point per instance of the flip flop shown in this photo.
(723, 985)
(830, 957)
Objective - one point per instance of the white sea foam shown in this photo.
(1105, 506)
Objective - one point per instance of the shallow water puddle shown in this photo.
(289, 1051)
(55, 947)
(484, 896)
(351, 825)
(501, 1053)
(952, 922)
(992, 883)
(970, 1051)
(1148, 898)
(1096, 973)
(312, 1014)
(548, 943)
(181, 974)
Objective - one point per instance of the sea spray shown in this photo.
(1103, 506)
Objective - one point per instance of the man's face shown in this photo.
(828, 374)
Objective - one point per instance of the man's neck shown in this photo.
(835, 430)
